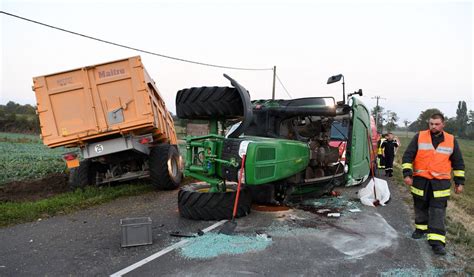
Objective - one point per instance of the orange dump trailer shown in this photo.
(88, 103)
(114, 113)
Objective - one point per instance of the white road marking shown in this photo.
(163, 252)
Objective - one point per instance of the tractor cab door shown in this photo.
(359, 143)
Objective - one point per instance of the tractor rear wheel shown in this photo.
(196, 202)
(209, 102)
(164, 166)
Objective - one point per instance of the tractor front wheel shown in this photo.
(196, 202)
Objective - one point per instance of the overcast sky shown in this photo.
(415, 55)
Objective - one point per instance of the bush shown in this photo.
(18, 118)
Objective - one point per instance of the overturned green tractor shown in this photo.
(287, 145)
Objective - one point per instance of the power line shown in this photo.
(423, 101)
(133, 48)
(378, 111)
(281, 83)
(418, 100)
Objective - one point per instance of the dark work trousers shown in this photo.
(430, 214)
(389, 157)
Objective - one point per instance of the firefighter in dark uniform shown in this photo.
(389, 146)
(427, 165)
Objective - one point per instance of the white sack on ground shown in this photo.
(367, 196)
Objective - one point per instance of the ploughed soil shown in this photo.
(32, 190)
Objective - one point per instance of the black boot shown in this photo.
(439, 249)
(417, 234)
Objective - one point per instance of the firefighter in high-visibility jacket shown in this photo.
(380, 156)
(427, 164)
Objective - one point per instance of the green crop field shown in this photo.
(466, 200)
(24, 157)
(13, 137)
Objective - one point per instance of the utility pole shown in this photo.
(378, 111)
(406, 126)
(388, 119)
(274, 77)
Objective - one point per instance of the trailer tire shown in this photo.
(165, 169)
(195, 202)
(83, 175)
(209, 102)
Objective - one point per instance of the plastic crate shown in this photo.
(136, 231)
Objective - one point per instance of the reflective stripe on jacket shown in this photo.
(431, 163)
(380, 149)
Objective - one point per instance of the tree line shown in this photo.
(386, 120)
(461, 125)
(18, 118)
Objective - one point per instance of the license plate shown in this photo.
(72, 163)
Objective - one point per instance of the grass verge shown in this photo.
(19, 212)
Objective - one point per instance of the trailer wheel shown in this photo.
(164, 164)
(82, 176)
(196, 202)
(209, 102)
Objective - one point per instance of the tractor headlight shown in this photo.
(346, 168)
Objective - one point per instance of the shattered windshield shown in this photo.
(339, 131)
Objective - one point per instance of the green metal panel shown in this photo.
(271, 160)
(264, 172)
(265, 153)
(359, 163)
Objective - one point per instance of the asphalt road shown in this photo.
(374, 241)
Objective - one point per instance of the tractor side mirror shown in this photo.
(334, 79)
(359, 92)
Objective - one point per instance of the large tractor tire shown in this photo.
(165, 169)
(82, 176)
(209, 102)
(196, 202)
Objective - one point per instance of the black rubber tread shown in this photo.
(82, 176)
(193, 204)
(209, 102)
(231, 150)
(160, 174)
(72, 181)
